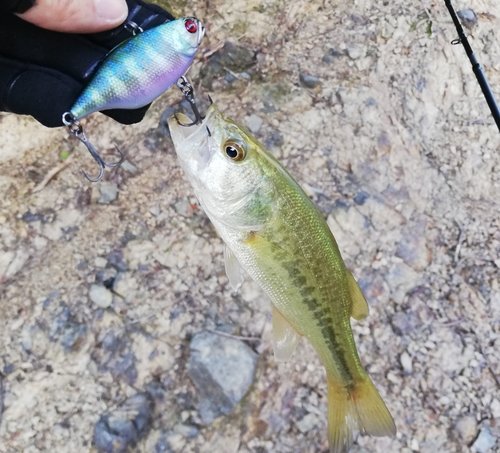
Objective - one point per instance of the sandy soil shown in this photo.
(395, 145)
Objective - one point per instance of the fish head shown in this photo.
(227, 168)
(189, 32)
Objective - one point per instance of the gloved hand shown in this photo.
(43, 72)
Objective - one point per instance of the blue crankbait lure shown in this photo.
(135, 73)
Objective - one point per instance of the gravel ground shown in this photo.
(104, 285)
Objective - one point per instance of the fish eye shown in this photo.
(191, 26)
(234, 151)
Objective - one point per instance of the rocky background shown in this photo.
(118, 328)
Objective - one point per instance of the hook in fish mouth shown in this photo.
(188, 92)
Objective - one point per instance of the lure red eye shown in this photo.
(191, 26)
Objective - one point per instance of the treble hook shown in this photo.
(188, 92)
(76, 129)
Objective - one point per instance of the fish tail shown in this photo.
(356, 409)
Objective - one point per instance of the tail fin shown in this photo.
(359, 409)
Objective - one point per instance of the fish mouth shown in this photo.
(182, 129)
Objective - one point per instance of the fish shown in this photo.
(275, 233)
(140, 69)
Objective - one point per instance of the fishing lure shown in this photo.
(134, 74)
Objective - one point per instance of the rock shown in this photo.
(100, 262)
(406, 362)
(129, 167)
(108, 192)
(187, 430)
(222, 370)
(484, 441)
(236, 59)
(361, 198)
(495, 408)
(120, 430)
(275, 140)
(468, 17)
(356, 53)
(73, 336)
(466, 428)
(413, 246)
(307, 423)
(254, 123)
(115, 259)
(100, 296)
(308, 81)
(26, 339)
(16, 263)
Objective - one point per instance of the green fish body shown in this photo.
(275, 233)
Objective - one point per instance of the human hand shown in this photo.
(42, 72)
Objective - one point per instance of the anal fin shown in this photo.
(285, 338)
(359, 309)
(234, 271)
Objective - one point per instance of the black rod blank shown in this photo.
(476, 67)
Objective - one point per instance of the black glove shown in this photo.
(43, 72)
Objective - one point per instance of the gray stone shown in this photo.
(468, 17)
(108, 192)
(187, 430)
(466, 427)
(484, 442)
(254, 123)
(309, 81)
(118, 431)
(129, 167)
(236, 59)
(100, 296)
(307, 423)
(222, 370)
(356, 52)
(406, 362)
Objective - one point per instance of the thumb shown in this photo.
(77, 16)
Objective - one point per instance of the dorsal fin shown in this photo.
(359, 309)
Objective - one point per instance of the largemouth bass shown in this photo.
(276, 234)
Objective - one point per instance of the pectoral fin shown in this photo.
(359, 309)
(285, 338)
(234, 271)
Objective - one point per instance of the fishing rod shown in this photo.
(476, 67)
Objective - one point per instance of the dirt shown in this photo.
(394, 143)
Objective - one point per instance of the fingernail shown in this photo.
(112, 11)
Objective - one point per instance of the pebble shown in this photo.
(406, 362)
(468, 17)
(495, 408)
(100, 262)
(187, 430)
(119, 431)
(108, 192)
(361, 198)
(129, 167)
(237, 59)
(466, 428)
(307, 423)
(222, 370)
(484, 442)
(356, 53)
(26, 339)
(100, 296)
(254, 123)
(308, 81)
